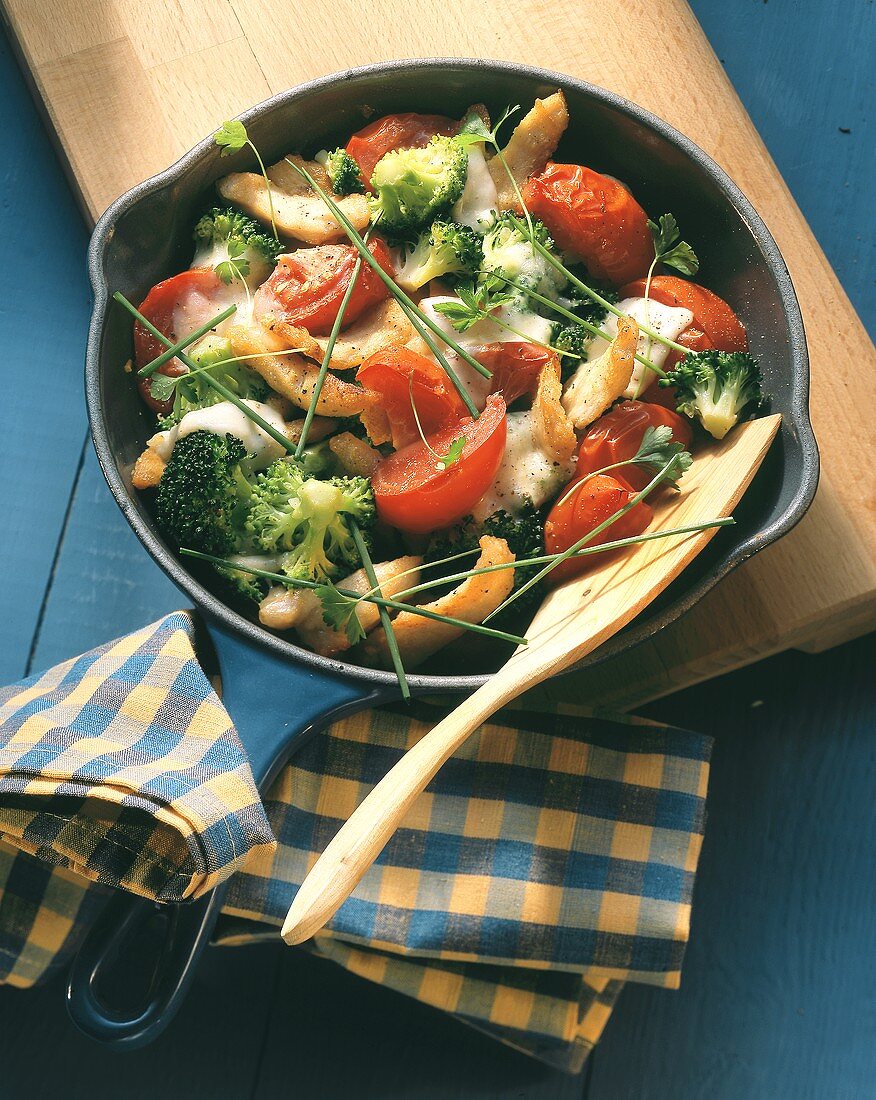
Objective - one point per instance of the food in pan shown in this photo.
(409, 383)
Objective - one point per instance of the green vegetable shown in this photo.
(234, 246)
(523, 531)
(413, 186)
(669, 249)
(308, 520)
(445, 249)
(212, 356)
(204, 493)
(509, 252)
(715, 387)
(342, 170)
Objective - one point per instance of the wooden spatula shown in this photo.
(573, 620)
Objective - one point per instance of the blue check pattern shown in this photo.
(549, 862)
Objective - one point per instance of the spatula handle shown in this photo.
(366, 832)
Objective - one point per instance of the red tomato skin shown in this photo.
(158, 307)
(389, 373)
(596, 499)
(593, 216)
(715, 325)
(516, 367)
(615, 437)
(403, 131)
(308, 286)
(413, 495)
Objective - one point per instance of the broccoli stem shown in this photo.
(591, 293)
(394, 289)
(171, 352)
(544, 559)
(391, 640)
(542, 573)
(283, 440)
(395, 605)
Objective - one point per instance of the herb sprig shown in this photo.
(231, 137)
(474, 132)
(454, 451)
(656, 450)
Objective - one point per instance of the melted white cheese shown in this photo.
(669, 321)
(484, 332)
(525, 473)
(227, 419)
(476, 206)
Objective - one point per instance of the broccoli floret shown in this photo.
(215, 354)
(203, 494)
(524, 533)
(445, 249)
(581, 304)
(413, 186)
(507, 251)
(715, 387)
(342, 170)
(572, 339)
(307, 520)
(235, 246)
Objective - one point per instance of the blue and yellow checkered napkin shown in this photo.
(551, 860)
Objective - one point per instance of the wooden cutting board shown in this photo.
(129, 85)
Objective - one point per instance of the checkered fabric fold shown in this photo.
(123, 766)
(551, 860)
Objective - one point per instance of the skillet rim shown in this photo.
(638, 631)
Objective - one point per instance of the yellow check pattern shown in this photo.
(549, 861)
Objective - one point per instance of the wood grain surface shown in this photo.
(129, 85)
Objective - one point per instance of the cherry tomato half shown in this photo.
(616, 436)
(516, 367)
(401, 376)
(308, 286)
(715, 325)
(414, 494)
(176, 306)
(593, 216)
(405, 131)
(594, 501)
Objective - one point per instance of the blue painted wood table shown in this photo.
(778, 993)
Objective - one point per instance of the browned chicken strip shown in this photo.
(298, 211)
(284, 608)
(474, 599)
(529, 148)
(295, 377)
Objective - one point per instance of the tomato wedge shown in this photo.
(616, 436)
(176, 306)
(715, 325)
(594, 501)
(401, 376)
(404, 131)
(414, 494)
(516, 367)
(593, 216)
(308, 286)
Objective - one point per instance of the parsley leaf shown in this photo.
(231, 137)
(454, 452)
(657, 448)
(339, 612)
(476, 303)
(161, 386)
(669, 249)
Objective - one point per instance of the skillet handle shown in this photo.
(187, 930)
(276, 706)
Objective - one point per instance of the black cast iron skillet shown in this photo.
(277, 692)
